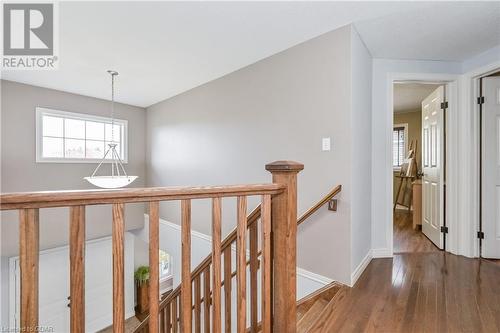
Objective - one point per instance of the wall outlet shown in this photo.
(326, 144)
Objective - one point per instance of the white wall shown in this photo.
(361, 119)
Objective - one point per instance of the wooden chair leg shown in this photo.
(411, 198)
(397, 195)
(405, 189)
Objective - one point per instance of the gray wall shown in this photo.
(20, 172)
(279, 108)
(361, 96)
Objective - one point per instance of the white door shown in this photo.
(53, 291)
(491, 168)
(54, 286)
(432, 155)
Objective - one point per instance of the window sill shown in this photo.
(75, 160)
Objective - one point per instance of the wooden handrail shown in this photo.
(230, 239)
(45, 199)
(278, 202)
(320, 203)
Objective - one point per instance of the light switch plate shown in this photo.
(326, 144)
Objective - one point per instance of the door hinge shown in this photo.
(444, 230)
(480, 235)
(480, 100)
(444, 105)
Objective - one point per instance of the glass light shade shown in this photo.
(110, 181)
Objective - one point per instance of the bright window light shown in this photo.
(64, 137)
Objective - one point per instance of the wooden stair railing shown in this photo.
(254, 262)
(278, 214)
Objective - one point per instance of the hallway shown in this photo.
(432, 292)
(406, 239)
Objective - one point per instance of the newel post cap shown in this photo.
(284, 166)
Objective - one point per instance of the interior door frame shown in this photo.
(476, 84)
(450, 83)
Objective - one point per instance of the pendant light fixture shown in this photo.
(119, 177)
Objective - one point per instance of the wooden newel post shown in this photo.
(284, 240)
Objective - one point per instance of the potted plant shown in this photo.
(141, 277)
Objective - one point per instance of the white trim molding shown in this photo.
(313, 276)
(382, 253)
(41, 111)
(452, 129)
(361, 268)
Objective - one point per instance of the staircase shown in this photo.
(312, 309)
(265, 243)
(307, 308)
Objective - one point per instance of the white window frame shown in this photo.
(405, 147)
(40, 112)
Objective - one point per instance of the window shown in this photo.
(164, 265)
(74, 137)
(399, 137)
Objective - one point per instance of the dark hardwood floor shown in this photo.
(406, 239)
(419, 292)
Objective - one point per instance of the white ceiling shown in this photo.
(409, 96)
(452, 31)
(164, 48)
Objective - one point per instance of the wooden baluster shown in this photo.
(154, 280)
(227, 289)
(254, 266)
(168, 319)
(29, 229)
(284, 224)
(162, 321)
(174, 315)
(206, 299)
(241, 265)
(186, 289)
(216, 264)
(118, 269)
(197, 304)
(266, 263)
(77, 268)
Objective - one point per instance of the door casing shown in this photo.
(450, 83)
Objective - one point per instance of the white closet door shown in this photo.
(491, 168)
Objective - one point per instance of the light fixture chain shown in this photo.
(112, 107)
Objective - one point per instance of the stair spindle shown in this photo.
(206, 299)
(154, 284)
(118, 229)
(241, 264)
(254, 266)
(186, 289)
(29, 229)
(216, 264)
(266, 263)
(227, 289)
(77, 268)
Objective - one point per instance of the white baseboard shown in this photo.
(313, 276)
(381, 253)
(361, 267)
